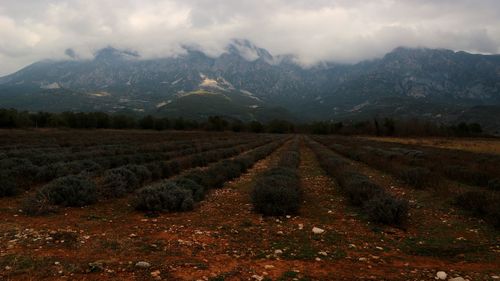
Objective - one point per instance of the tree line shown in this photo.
(11, 118)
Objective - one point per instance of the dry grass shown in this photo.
(491, 146)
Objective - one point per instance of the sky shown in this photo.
(345, 31)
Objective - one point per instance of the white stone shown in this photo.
(142, 264)
(441, 275)
(317, 230)
(456, 279)
(257, 277)
(278, 252)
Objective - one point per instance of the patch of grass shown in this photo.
(67, 238)
(441, 247)
(246, 223)
(296, 247)
(110, 244)
(23, 264)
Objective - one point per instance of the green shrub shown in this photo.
(494, 184)
(52, 171)
(467, 175)
(197, 190)
(290, 159)
(69, 191)
(164, 197)
(475, 201)
(8, 186)
(118, 182)
(156, 170)
(482, 204)
(141, 172)
(417, 177)
(37, 205)
(276, 192)
(244, 162)
(19, 168)
(360, 190)
(387, 210)
(170, 168)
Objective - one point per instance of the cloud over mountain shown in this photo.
(314, 30)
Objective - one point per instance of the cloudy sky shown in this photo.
(313, 30)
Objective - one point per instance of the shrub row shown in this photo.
(69, 191)
(52, 171)
(181, 193)
(482, 204)
(277, 192)
(392, 162)
(120, 181)
(79, 190)
(467, 167)
(45, 156)
(374, 201)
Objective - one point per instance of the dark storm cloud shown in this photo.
(313, 30)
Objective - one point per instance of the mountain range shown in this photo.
(249, 83)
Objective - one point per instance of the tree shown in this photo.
(216, 123)
(256, 127)
(147, 122)
(390, 126)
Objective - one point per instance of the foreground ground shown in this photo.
(223, 239)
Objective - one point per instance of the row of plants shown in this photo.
(81, 190)
(43, 156)
(20, 174)
(480, 203)
(392, 162)
(96, 165)
(277, 192)
(118, 182)
(373, 200)
(181, 193)
(424, 168)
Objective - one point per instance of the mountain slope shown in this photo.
(405, 82)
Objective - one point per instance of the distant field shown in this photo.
(474, 145)
(147, 205)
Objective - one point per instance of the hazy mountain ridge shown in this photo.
(118, 80)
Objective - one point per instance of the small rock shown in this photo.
(495, 277)
(268, 266)
(156, 275)
(317, 230)
(257, 277)
(352, 246)
(441, 275)
(362, 259)
(456, 279)
(318, 259)
(8, 268)
(143, 264)
(278, 252)
(323, 253)
(301, 226)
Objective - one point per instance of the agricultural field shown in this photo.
(145, 205)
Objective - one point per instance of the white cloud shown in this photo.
(314, 30)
